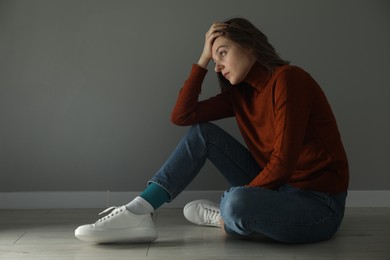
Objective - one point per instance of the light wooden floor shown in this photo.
(48, 234)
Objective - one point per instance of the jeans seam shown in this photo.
(175, 192)
(193, 167)
(236, 164)
(207, 141)
(291, 224)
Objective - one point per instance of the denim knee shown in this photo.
(232, 201)
(234, 211)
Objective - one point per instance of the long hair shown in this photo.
(246, 35)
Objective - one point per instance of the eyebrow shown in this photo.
(216, 51)
(222, 46)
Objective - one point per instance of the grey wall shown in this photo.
(87, 86)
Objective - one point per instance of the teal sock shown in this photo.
(155, 195)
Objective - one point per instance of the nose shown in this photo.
(218, 67)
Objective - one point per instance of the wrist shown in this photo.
(203, 61)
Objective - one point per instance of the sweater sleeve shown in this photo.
(292, 98)
(189, 110)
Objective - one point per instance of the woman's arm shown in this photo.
(189, 110)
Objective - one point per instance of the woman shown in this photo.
(293, 174)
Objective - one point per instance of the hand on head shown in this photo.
(214, 32)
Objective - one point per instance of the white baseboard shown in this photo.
(103, 199)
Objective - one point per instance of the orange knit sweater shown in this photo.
(286, 122)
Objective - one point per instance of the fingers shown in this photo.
(216, 30)
(218, 26)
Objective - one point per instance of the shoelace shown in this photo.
(114, 210)
(212, 216)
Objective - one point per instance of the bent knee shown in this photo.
(233, 202)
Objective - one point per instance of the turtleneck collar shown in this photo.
(257, 76)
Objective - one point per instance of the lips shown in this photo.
(225, 74)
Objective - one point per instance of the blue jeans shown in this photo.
(289, 214)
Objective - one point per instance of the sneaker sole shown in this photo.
(133, 235)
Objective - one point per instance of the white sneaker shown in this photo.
(203, 212)
(119, 226)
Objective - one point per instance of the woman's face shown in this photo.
(233, 61)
